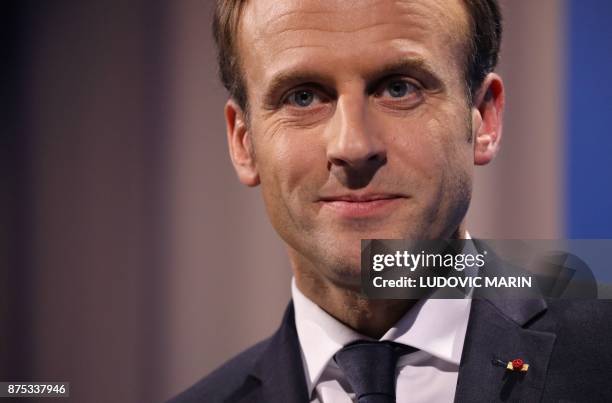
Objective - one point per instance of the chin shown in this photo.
(345, 277)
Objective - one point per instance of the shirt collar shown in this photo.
(435, 326)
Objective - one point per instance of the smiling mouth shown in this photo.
(360, 206)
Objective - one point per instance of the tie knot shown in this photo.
(369, 367)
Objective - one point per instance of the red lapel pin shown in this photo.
(518, 365)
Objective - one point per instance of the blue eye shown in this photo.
(301, 98)
(399, 89)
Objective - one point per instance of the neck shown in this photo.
(370, 317)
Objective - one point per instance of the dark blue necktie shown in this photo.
(369, 367)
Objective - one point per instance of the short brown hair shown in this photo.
(483, 45)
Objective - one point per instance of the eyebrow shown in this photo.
(415, 66)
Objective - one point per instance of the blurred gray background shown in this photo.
(133, 262)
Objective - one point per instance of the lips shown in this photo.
(359, 198)
(361, 205)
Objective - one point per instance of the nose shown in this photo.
(355, 146)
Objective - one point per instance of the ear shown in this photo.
(240, 144)
(487, 114)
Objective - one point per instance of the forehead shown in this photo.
(273, 35)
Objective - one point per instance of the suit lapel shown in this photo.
(498, 329)
(493, 335)
(279, 370)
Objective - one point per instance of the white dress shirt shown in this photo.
(436, 327)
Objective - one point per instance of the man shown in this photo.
(364, 120)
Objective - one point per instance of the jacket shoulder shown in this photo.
(221, 384)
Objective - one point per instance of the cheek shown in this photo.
(291, 164)
(417, 149)
(292, 168)
(454, 161)
(431, 151)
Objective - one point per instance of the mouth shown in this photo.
(361, 205)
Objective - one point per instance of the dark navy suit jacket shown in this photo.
(567, 343)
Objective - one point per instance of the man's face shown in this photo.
(358, 122)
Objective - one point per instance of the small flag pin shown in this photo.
(517, 365)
